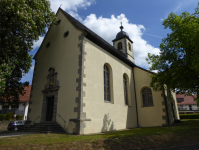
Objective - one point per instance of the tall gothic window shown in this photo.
(125, 90)
(106, 83)
(147, 97)
(129, 46)
(119, 46)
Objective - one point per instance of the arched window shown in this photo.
(129, 46)
(125, 90)
(147, 97)
(106, 83)
(119, 46)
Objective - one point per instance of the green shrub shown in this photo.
(2, 116)
(19, 117)
(7, 117)
(189, 116)
(11, 115)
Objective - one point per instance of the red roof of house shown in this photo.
(25, 97)
(188, 100)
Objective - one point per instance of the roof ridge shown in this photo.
(71, 18)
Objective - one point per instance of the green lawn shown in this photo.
(180, 130)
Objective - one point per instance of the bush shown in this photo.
(189, 116)
(2, 116)
(9, 116)
(19, 117)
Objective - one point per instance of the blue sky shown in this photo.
(142, 20)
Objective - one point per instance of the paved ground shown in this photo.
(6, 134)
(184, 147)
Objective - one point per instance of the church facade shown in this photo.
(89, 86)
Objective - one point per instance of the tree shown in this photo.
(21, 23)
(178, 61)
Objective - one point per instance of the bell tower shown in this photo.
(123, 43)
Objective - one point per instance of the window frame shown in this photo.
(107, 84)
(125, 90)
(180, 99)
(147, 93)
(119, 46)
(129, 45)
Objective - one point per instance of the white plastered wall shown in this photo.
(153, 115)
(194, 107)
(62, 55)
(186, 107)
(26, 111)
(125, 48)
(106, 116)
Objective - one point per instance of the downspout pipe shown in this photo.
(135, 99)
(165, 100)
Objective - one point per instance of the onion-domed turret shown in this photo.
(121, 33)
(124, 44)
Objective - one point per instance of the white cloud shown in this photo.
(108, 28)
(70, 4)
(71, 7)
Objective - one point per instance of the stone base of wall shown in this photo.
(4, 125)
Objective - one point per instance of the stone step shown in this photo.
(44, 127)
(40, 126)
(59, 132)
(37, 130)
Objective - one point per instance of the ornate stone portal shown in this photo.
(50, 98)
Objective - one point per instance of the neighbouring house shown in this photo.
(88, 86)
(22, 108)
(186, 102)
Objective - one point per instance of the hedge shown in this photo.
(19, 117)
(2, 116)
(189, 116)
(10, 116)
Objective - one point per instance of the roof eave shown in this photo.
(122, 38)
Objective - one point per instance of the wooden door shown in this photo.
(50, 105)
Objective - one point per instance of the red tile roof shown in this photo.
(26, 96)
(188, 100)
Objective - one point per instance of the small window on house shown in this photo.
(147, 97)
(5, 106)
(106, 84)
(180, 99)
(58, 22)
(48, 44)
(66, 34)
(125, 90)
(129, 46)
(14, 106)
(119, 46)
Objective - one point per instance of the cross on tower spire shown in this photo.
(121, 27)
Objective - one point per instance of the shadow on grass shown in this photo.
(185, 132)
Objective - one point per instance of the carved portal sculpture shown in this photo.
(50, 98)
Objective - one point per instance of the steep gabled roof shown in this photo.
(188, 100)
(92, 36)
(26, 96)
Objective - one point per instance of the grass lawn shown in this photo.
(186, 132)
